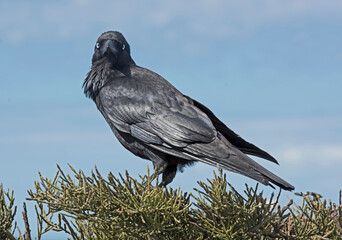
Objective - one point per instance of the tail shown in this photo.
(240, 163)
(222, 153)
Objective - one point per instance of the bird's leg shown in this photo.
(159, 168)
(159, 163)
(168, 175)
(157, 180)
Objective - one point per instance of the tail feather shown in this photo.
(240, 163)
(223, 154)
(246, 166)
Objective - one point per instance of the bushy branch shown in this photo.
(7, 213)
(113, 208)
(94, 207)
(225, 213)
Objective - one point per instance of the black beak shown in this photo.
(109, 46)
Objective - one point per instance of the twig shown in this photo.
(27, 233)
(72, 232)
(20, 236)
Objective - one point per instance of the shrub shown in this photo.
(93, 207)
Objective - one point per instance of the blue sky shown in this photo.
(271, 70)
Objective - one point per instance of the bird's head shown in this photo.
(113, 46)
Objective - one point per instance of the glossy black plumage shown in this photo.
(155, 121)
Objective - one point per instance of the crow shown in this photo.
(155, 121)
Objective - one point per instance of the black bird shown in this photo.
(155, 121)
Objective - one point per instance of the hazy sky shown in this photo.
(271, 70)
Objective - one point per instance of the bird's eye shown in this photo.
(123, 46)
(97, 45)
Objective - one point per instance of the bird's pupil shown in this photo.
(97, 45)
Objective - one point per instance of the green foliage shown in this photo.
(7, 213)
(315, 218)
(112, 208)
(224, 213)
(93, 207)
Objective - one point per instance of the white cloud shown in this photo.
(297, 148)
(294, 124)
(38, 21)
(321, 155)
(298, 141)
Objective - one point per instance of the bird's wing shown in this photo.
(232, 137)
(154, 114)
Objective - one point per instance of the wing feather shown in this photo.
(235, 139)
(155, 115)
